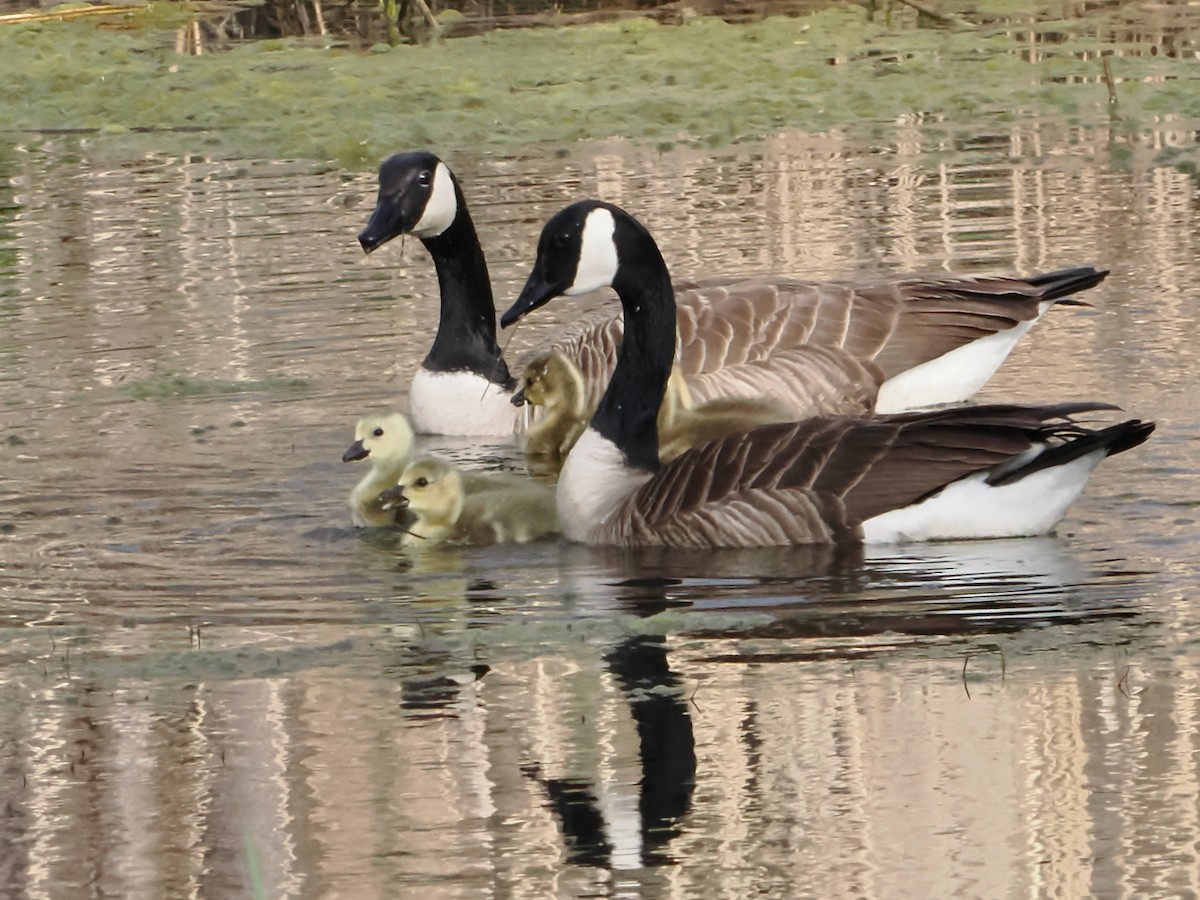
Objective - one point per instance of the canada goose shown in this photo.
(386, 439)
(444, 509)
(988, 471)
(554, 383)
(885, 344)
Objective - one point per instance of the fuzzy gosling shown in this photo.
(386, 440)
(683, 425)
(553, 382)
(445, 509)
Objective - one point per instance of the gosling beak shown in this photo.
(355, 451)
(518, 399)
(393, 498)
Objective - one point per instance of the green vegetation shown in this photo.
(704, 81)
(173, 386)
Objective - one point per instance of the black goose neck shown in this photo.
(627, 413)
(466, 335)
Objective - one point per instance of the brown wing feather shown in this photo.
(817, 481)
(819, 347)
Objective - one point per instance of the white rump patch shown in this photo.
(593, 482)
(460, 403)
(597, 254)
(442, 206)
(971, 508)
(952, 377)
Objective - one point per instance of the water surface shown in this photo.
(211, 685)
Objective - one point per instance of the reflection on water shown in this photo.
(210, 683)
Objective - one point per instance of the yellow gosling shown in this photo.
(444, 508)
(386, 441)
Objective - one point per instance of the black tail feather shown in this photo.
(1114, 439)
(1061, 283)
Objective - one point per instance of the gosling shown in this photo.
(553, 382)
(683, 425)
(386, 439)
(444, 509)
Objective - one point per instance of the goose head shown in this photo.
(418, 195)
(382, 437)
(579, 251)
(430, 488)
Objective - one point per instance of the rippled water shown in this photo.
(211, 685)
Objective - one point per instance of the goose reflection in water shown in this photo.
(843, 591)
(609, 831)
(759, 606)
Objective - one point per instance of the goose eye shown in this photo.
(425, 179)
(421, 482)
(378, 432)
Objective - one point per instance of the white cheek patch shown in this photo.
(597, 254)
(442, 208)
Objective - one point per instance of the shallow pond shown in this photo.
(210, 685)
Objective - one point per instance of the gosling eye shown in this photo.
(421, 482)
(378, 432)
(425, 178)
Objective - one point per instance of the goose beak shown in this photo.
(388, 221)
(537, 292)
(518, 399)
(355, 451)
(393, 498)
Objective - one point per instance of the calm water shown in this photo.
(211, 685)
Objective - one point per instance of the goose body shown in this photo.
(882, 344)
(445, 509)
(987, 471)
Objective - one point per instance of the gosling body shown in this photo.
(445, 509)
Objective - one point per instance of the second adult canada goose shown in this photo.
(443, 509)
(883, 344)
(976, 472)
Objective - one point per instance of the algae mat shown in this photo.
(705, 82)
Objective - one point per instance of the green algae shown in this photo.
(705, 82)
(170, 387)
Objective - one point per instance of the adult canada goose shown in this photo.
(554, 383)
(988, 471)
(884, 344)
(386, 439)
(444, 509)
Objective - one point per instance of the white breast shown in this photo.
(460, 403)
(593, 483)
